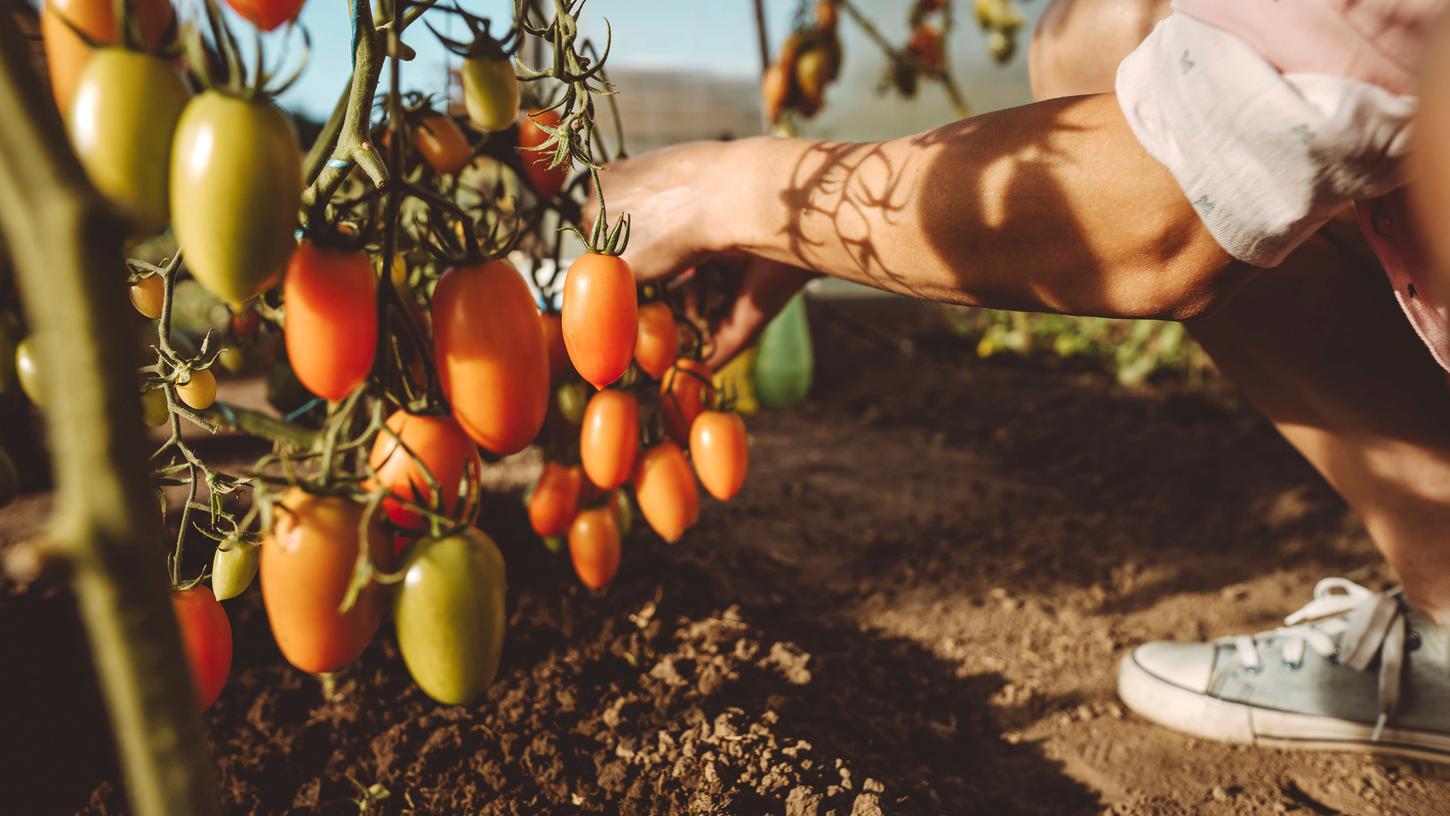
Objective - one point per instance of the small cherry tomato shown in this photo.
(267, 14)
(720, 451)
(307, 563)
(682, 397)
(609, 438)
(27, 369)
(594, 546)
(600, 317)
(546, 181)
(154, 410)
(147, 294)
(658, 342)
(331, 329)
(233, 567)
(206, 636)
(200, 391)
(442, 446)
(490, 353)
(442, 143)
(450, 615)
(665, 488)
(490, 91)
(555, 500)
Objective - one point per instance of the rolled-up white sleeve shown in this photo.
(1265, 158)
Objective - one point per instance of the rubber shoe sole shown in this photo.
(1200, 715)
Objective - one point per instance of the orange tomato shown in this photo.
(306, 565)
(148, 295)
(609, 438)
(657, 345)
(682, 397)
(546, 182)
(559, 365)
(555, 500)
(331, 330)
(442, 143)
(491, 354)
(594, 546)
(665, 490)
(442, 447)
(600, 318)
(206, 637)
(67, 55)
(267, 14)
(926, 46)
(720, 451)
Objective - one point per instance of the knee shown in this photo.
(1077, 44)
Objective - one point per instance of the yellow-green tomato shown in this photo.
(623, 512)
(490, 92)
(124, 111)
(449, 612)
(27, 368)
(571, 400)
(200, 391)
(233, 568)
(153, 407)
(236, 181)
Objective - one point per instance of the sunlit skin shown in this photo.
(1054, 206)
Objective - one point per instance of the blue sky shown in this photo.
(711, 35)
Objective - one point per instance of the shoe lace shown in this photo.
(1347, 623)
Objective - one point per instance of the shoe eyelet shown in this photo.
(1412, 641)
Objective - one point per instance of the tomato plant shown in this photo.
(449, 612)
(332, 325)
(609, 438)
(547, 181)
(400, 456)
(665, 488)
(206, 635)
(720, 451)
(306, 567)
(594, 546)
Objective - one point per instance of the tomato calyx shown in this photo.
(480, 45)
(232, 77)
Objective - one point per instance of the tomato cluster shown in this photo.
(400, 318)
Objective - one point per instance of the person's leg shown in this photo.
(1318, 344)
(1322, 349)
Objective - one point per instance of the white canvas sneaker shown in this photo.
(1353, 670)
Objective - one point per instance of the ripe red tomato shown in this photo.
(601, 317)
(67, 55)
(720, 451)
(308, 559)
(546, 182)
(442, 143)
(206, 636)
(442, 446)
(665, 490)
(332, 320)
(682, 397)
(657, 344)
(491, 354)
(267, 14)
(555, 500)
(594, 546)
(609, 438)
(559, 365)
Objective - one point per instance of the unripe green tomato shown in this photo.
(232, 359)
(233, 568)
(27, 369)
(236, 181)
(154, 411)
(571, 400)
(490, 92)
(121, 120)
(9, 478)
(449, 612)
(554, 544)
(623, 511)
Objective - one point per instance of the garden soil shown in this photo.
(915, 606)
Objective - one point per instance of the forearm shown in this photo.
(1052, 206)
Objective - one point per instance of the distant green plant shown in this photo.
(1133, 350)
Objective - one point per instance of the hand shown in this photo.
(735, 299)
